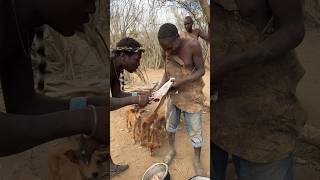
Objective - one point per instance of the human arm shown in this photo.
(116, 90)
(204, 36)
(117, 103)
(289, 33)
(33, 119)
(22, 132)
(19, 94)
(197, 60)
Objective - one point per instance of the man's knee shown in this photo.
(197, 141)
(173, 117)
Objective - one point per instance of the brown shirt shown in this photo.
(187, 97)
(257, 115)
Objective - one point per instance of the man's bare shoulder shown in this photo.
(193, 43)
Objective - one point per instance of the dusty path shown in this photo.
(123, 150)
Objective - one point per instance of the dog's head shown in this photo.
(89, 169)
(87, 162)
(137, 111)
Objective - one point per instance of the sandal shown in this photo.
(117, 169)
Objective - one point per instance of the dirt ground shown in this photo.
(123, 149)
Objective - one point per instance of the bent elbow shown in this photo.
(300, 35)
(202, 72)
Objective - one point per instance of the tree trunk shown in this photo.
(206, 9)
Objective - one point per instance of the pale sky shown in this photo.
(165, 14)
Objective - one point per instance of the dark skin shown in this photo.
(289, 33)
(32, 118)
(188, 23)
(119, 98)
(189, 50)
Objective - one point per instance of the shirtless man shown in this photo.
(126, 56)
(184, 62)
(193, 33)
(257, 116)
(31, 118)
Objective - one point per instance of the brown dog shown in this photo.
(152, 122)
(133, 118)
(75, 164)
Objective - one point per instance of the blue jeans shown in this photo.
(193, 123)
(246, 170)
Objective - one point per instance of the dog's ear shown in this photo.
(89, 147)
(72, 156)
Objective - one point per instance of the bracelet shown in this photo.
(134, 94)
(139, 99)
(95, 115)
(78, 103)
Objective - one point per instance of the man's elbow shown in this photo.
(300, 34)
(297, 34)
(202, 72)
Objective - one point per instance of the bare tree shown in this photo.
(206, 9)
(142, 20)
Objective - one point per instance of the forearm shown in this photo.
(117, 103)
(277, 44)
(207, 37)
(120, 94)
(193, 77)
(22, 132)
(125, 94)
(41, 104)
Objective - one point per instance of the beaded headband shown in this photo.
(129, 49)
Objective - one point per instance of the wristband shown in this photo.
(78, 103)
(134, 94)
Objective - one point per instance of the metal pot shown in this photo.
(160, 169)
(199, 178)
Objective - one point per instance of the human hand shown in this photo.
(143, 99)
(145, 92)
(176, 83)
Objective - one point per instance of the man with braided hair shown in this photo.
(126, 56)
(184, 62)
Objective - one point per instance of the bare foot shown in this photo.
(198, 168)
(169, 157)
